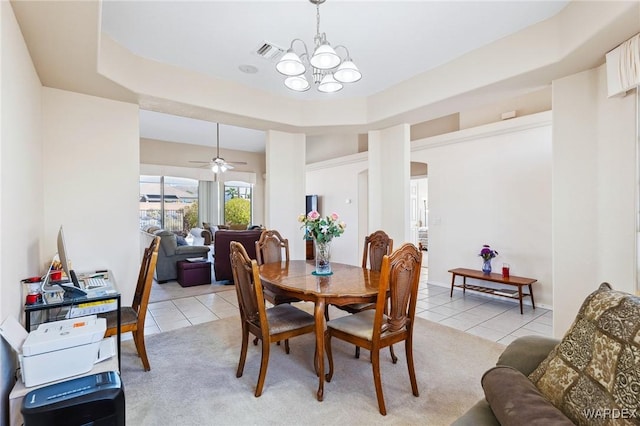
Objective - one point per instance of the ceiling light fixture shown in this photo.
(328, 70)
(218, 165)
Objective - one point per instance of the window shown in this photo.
(169, 203)
(237, 204)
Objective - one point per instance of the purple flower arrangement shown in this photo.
(487, 253)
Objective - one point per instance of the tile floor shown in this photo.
(492, 318)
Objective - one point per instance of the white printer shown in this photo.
(59, 349)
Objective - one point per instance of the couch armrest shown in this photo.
(525, 353)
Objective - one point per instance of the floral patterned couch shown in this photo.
(592, 376)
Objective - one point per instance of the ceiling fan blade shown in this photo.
(240, 163)
(200, 162)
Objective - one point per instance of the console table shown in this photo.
(512, 280)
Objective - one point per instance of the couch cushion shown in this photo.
(595, 370)
(514, 400)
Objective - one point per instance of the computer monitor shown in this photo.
(62, 254)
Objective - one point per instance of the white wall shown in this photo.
(21, 202)
(594, 191)
(91, 183)
(389, 173)
(285, 187)
(338, 184)
(324, 147)
(491, 185)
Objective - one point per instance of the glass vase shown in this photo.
(323, 257)
(486, 266)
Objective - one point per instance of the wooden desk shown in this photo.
(348, 284)
(495, 278)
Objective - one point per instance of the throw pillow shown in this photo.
(593, 375)
(514, 400)
(181, 241)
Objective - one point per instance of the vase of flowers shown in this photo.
(487, 253)
(322, 230)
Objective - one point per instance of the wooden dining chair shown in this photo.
(270, 248)
(133, 317)
(391, 321)
(280, 322)
(376, 246)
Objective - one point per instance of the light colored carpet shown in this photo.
(192, 380)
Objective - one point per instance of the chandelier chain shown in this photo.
(317, 19)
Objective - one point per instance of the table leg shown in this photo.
(119, 321)
(453, 280)
(531, 294)
(464, 285)
(520, 297)
(319, 358)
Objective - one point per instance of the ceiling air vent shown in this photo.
(269, 51)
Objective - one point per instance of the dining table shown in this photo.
(345, 285)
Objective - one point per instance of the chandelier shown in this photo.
(328, 70)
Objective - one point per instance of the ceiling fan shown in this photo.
(218, 164)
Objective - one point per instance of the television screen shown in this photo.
(312, 203)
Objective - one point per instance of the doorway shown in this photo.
(419, 211)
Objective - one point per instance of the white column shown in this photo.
(285, 187)
(389, 174)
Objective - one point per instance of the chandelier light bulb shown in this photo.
(298, 83)
(329, 84)
(347, 72)
(325, 57)
(290, 64)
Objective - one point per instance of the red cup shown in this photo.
(55, 275)
(33, 298)
(505, 270)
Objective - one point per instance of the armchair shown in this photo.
(170, 253)
(222, 250)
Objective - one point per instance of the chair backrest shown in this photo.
(248, 287)
(145, 279)
(399, 279)
(376, 246)
(270, 246)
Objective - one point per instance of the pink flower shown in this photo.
(313, 215)
(334, 216)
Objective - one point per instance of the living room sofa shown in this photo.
(591, 376)
(222, 250)
(170, 253)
